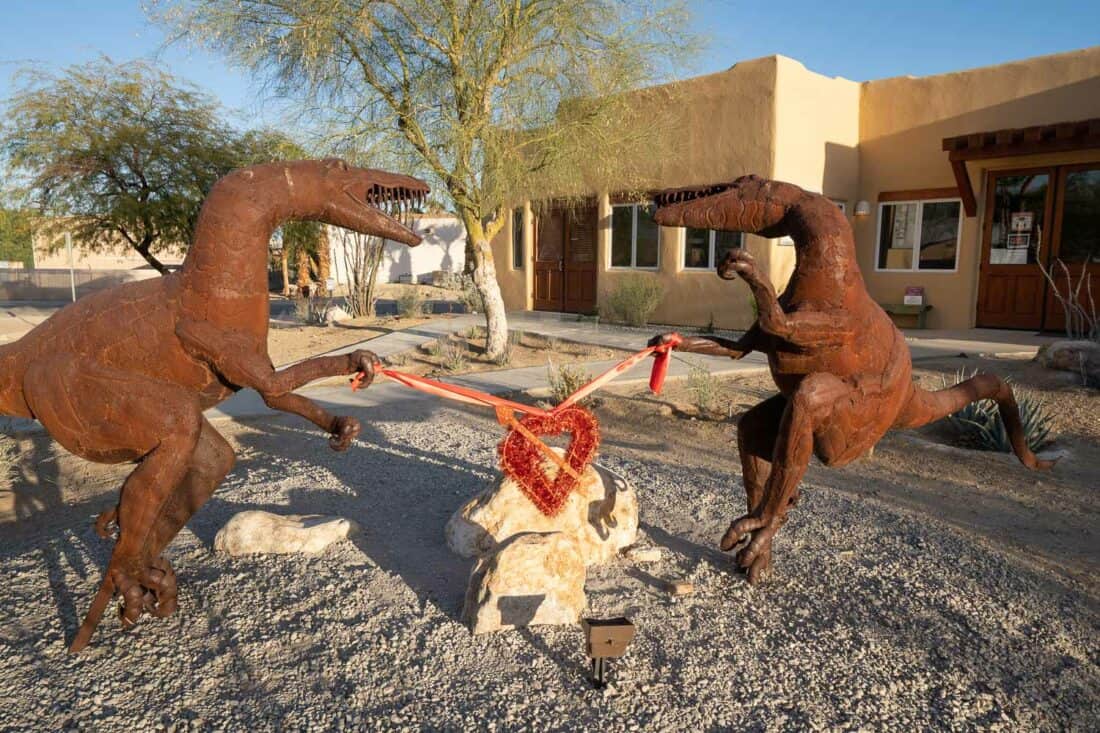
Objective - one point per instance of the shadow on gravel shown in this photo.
(400, 496)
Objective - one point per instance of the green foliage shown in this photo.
(565, 380)
(634, 299)
(410, 304)
(125, 153)
(979, 424)
(17, 236)
(705, 388)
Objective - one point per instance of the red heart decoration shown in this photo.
(523, 461)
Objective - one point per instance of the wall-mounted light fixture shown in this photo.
(862, 208)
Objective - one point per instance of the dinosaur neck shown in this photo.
(825, 252)
(229, 251)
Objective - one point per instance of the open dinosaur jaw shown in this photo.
(382, 204)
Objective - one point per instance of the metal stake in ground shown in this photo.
(605, 639)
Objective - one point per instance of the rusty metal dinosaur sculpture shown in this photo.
(125, 374)
(842, 368)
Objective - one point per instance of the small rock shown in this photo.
(263, 532)
(642, 554)
(532, 579)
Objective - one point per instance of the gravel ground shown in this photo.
(874, 618)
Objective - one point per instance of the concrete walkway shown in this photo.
(923, 345)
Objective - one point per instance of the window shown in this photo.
(919, 235)
(705, 248)
(634, 236)
(517, 239)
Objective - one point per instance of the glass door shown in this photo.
(1076, 240)
(1016, 236)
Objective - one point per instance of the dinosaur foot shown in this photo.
(755, 556)
(344, 431)
(151, 591)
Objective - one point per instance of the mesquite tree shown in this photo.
(482, 96)
(116, 154)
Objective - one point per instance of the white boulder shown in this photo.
(256, 531)
(601, 515)
(531, 579)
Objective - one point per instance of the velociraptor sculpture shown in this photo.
(842, 368)
(125, 374)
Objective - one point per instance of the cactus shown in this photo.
(979, 424)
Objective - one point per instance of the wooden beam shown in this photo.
(966, 191)
(917, 194)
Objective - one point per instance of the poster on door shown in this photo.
(1021, 221)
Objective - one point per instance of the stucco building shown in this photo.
(957, 183)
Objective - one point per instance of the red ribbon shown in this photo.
(522, 462)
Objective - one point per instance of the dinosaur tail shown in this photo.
(925, 407)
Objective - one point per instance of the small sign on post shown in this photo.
(605, 639)
(914, 295)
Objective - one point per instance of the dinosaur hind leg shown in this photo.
(924, 407)
(212, 459)
(821, 403)
(757, 432)
(108, 415)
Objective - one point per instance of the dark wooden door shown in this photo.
(1076, 238)
(580, 260)
(549, 255)
(1016, 233)
(565, 260)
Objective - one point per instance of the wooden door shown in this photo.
(1076, 240)
(1016, 233)
(549, 255)
(580, 260)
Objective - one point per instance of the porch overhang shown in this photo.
(1058, 137)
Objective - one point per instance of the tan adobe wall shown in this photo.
(902, 124)
(726, 130)
(816, 142)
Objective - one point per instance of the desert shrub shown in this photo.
(705, 388)
(453, 356)
(472, 332)
(410, 304)
(633, 300)
(565, 380)
(551, 343)
(312, 310)
(979, 424)
(434, 348)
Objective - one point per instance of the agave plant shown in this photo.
(979, 424)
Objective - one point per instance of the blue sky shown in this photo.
(858, 40)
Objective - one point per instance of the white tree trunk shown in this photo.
(485, 280)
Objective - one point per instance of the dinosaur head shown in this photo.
(748, 204)
(364, 200)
